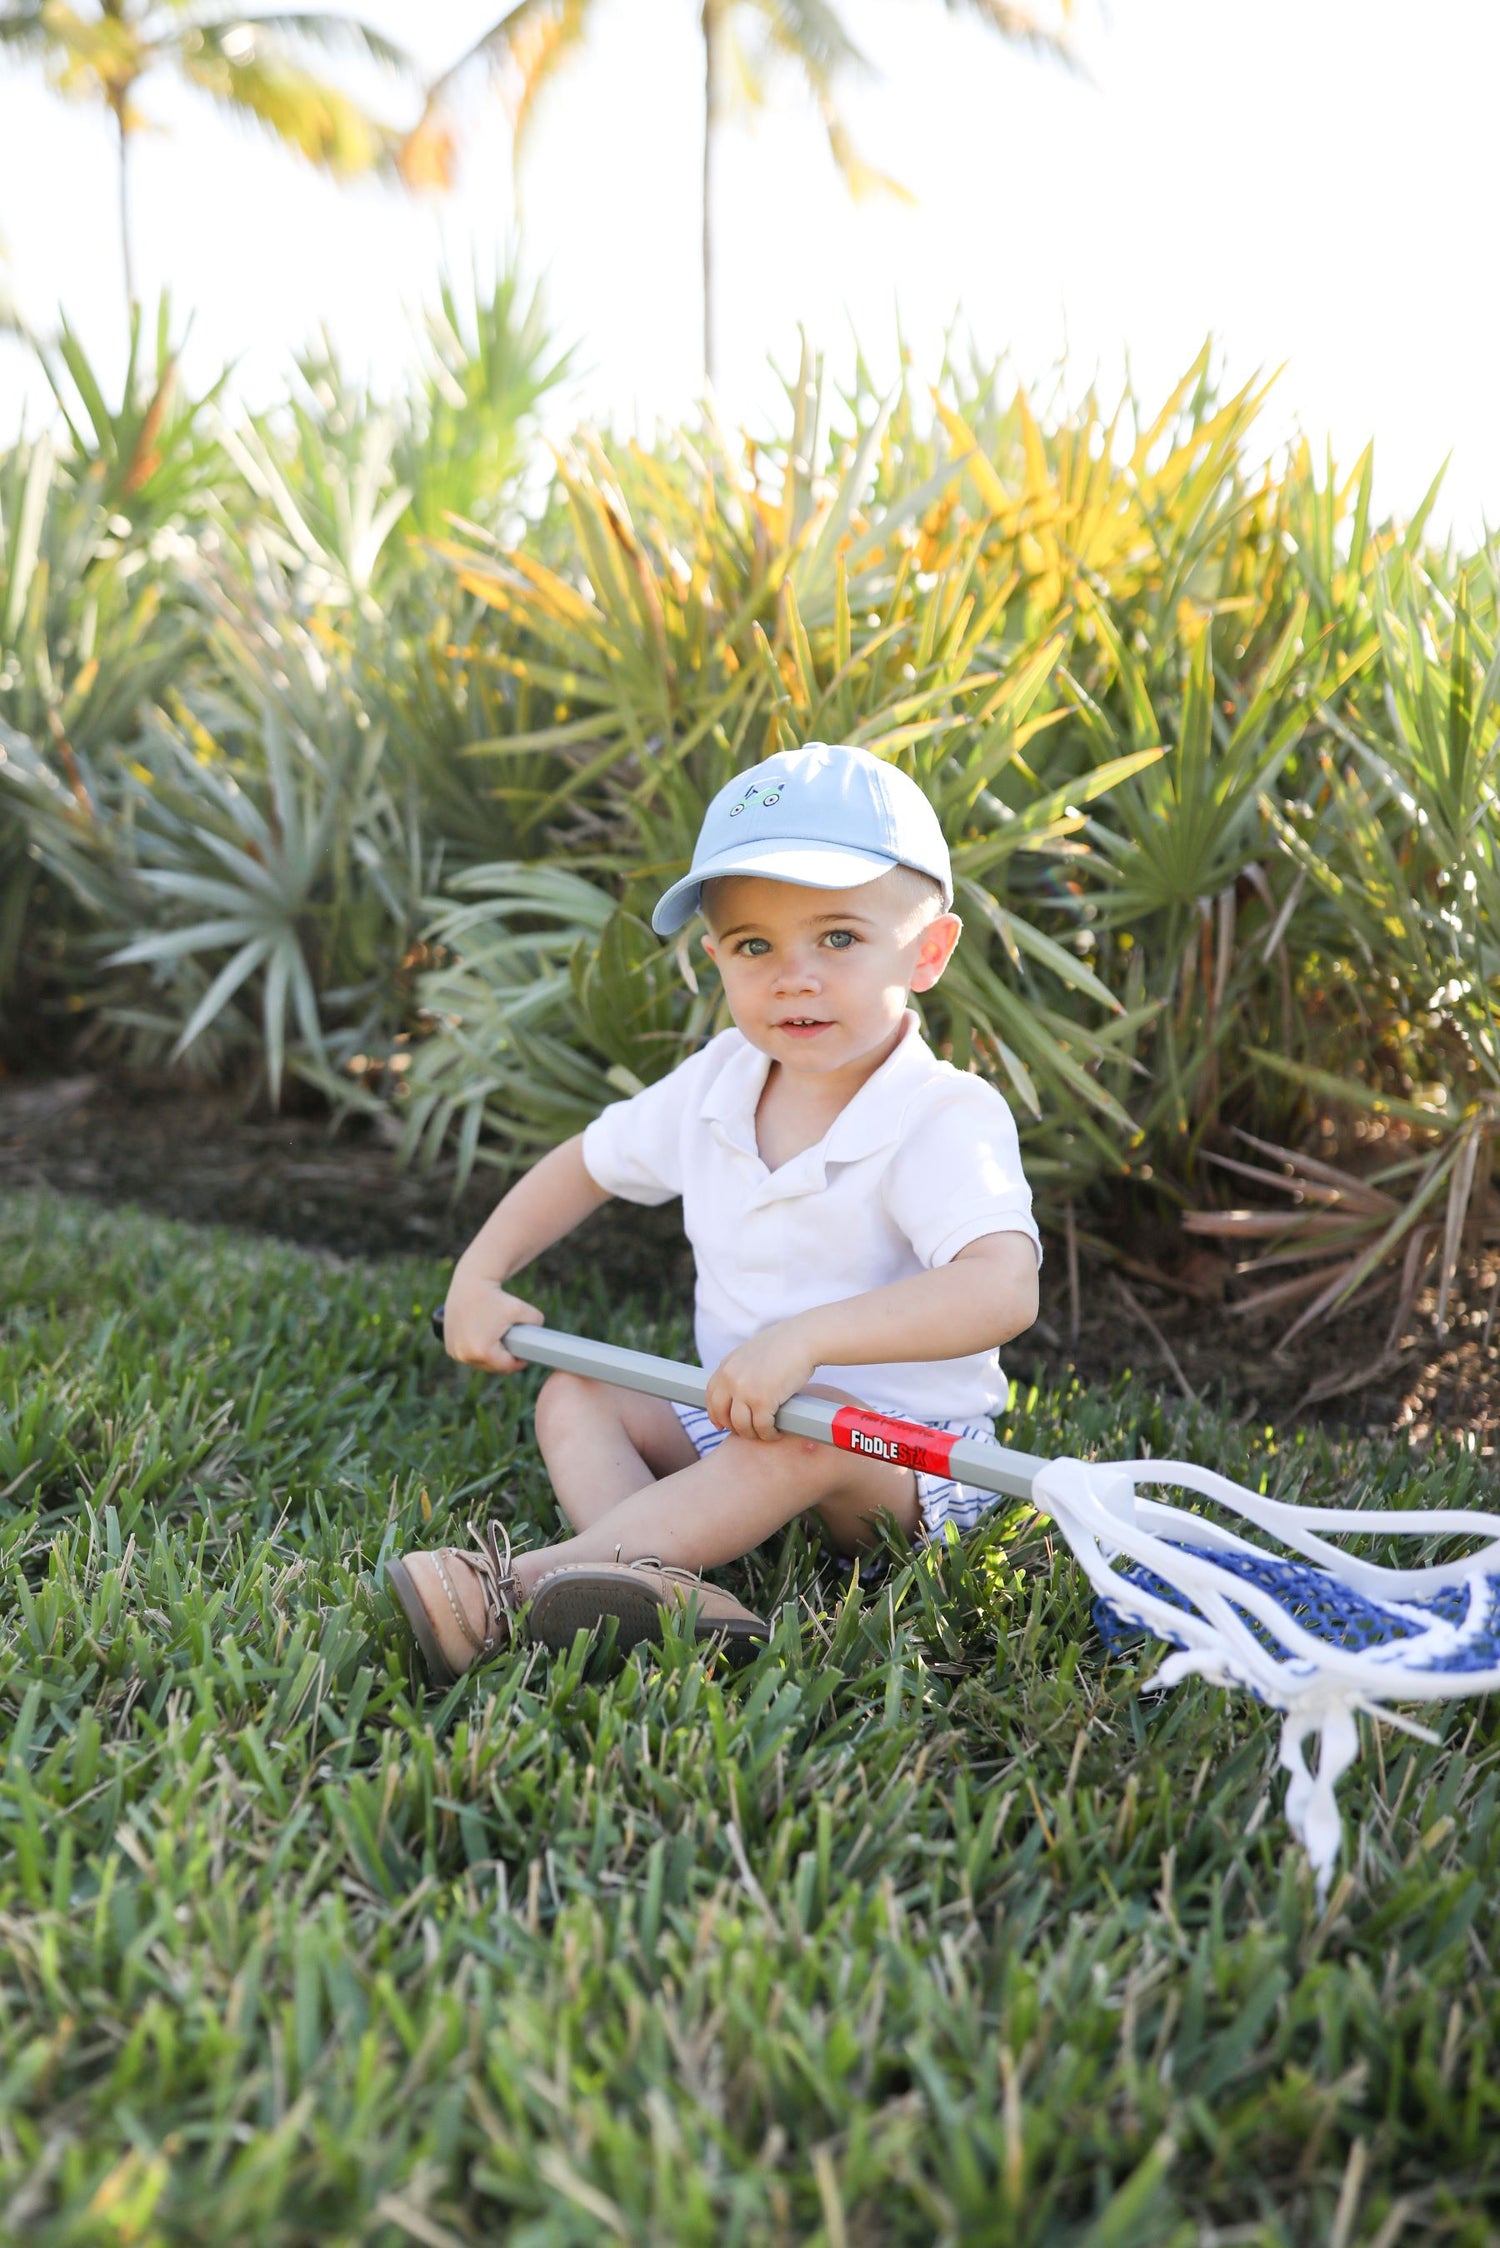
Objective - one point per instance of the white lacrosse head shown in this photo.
(1314, 1632)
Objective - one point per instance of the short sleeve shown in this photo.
(957, 1173)
(634, 1148)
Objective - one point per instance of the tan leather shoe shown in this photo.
(461, 1605)
(581, 1595)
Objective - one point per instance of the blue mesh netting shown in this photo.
(1326, 1609)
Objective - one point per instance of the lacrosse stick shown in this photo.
(1315, 1632)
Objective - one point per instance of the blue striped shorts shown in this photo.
(940, 1499)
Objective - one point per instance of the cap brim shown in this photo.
(811, 866)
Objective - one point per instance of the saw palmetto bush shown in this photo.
(278, 850)
(94, 620)
(1181, 712)
(347, 483)
(233, 699)
(403, 742)
(1061, 636)
(1398, 845)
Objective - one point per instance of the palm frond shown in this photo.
(307, 114)
(524, 50)
(1023, 27)
(539, 54)
(813, 35)
(317, 28)
(25, 27)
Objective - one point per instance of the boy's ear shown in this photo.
(939, 940)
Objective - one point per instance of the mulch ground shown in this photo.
(201, 1157)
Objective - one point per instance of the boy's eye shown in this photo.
(840, 939)
(754, 946)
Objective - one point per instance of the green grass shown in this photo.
(923, 1928)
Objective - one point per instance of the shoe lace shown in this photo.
(667, 1569)
(490, 1563)
(692, 1580)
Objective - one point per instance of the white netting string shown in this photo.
(1314, 1631)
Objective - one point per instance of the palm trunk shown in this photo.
(128, 261)
(710, 20)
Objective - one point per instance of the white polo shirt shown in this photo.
(923, 1160)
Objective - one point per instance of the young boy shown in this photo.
(859, 1219)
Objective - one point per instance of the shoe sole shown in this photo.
(408, 1599)
(581, 1601)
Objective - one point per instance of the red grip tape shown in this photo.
(871, 1436)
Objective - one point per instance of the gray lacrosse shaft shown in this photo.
(987, 1467)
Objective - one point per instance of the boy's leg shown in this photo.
(598, 1445)
(601, 1444)
(721, 1507)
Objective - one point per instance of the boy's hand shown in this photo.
(476, 1315)
(748, 1386)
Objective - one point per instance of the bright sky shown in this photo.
(1309, 180)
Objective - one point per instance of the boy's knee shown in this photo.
(755, 1463)
(559, 1401)
(801, 1460)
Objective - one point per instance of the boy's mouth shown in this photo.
(802, 1026)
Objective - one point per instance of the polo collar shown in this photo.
(732, 1099)
(870, 1121)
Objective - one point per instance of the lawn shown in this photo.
(923, 1928)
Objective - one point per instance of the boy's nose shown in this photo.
(798, 972)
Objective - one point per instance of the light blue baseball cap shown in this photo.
(826, 816)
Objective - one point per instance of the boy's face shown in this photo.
(818, 979)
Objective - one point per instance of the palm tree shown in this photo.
(743, 41)
(245, 63)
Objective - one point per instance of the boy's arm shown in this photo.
(554, 1196)
(984, 1297)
